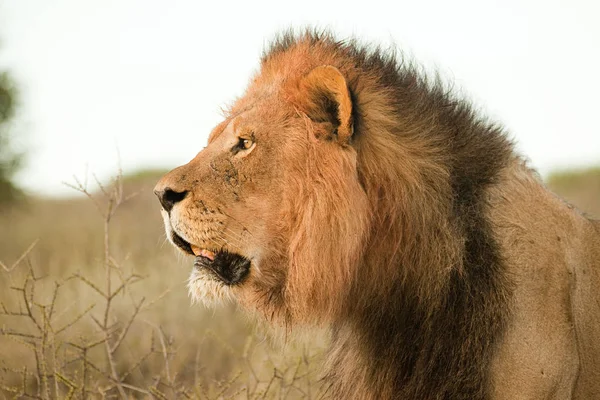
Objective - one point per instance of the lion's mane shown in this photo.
(408, 268)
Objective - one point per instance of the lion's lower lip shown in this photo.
(230, 268)
(181, 243)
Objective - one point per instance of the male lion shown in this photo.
(345, 189)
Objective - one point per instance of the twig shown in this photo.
(76, 319)
(164, 349)
(21, 257)
(119, 340)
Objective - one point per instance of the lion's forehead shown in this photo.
(227, 127)
(267, 117)
(232, 126)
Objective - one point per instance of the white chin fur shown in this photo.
(204, 288)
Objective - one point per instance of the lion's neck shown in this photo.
(431, 285)
(393, 345)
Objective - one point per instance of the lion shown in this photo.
(346, 189)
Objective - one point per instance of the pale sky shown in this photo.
(149, 77)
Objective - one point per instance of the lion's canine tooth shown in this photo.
(196, 250)
(202, 252)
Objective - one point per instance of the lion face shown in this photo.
(266, 206)
(220, 205)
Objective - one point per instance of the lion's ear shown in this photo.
(327, 99)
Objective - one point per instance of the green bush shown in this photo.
(10, 160)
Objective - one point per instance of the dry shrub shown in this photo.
(94, 309)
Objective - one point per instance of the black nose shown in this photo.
(169, 197)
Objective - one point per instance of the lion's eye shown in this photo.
(244, 144)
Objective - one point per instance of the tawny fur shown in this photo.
(375, 202)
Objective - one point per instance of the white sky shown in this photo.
(149, 77)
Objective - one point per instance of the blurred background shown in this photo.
(91, 88)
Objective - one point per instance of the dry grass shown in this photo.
(94, 305)
(580, 187)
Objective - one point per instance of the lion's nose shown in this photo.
(168, 197)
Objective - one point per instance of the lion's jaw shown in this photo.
(204, 283)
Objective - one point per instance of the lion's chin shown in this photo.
(207, 289)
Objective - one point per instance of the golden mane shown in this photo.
(420, 282)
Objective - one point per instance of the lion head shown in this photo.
(319, 183)
(273, 208)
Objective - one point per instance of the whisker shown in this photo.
(233, 235)
(225, 241)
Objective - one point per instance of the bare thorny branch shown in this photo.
(45, 343)
(20, 259)
(68, 367)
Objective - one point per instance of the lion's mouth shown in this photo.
(230, 268)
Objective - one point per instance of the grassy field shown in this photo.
(94, 305)
(581, 188)
(69, 330)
